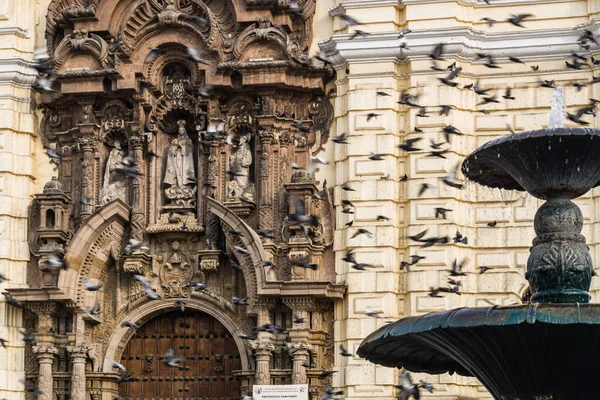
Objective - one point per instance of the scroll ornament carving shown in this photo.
(61, 11)
(212, 229)
(321, 112)
(300, 347)
(80, 41)
(153, 15)
(263, 30)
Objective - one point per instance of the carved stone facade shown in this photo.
(256, 83)
(147, 143)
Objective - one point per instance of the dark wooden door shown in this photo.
(207, 374)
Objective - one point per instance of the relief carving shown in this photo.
(83, 42)
(175, 271)
(150, 120)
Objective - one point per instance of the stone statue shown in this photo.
(240, 161)
(180, 176)
(112, 187)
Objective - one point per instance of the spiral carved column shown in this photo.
(136, 148)
(87, 177)
(265, 212)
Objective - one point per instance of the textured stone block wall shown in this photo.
(23, 171)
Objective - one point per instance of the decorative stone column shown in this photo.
(301, 353)
(265, 211)
(213, 171)
(201, 173)
(87, 145)
(45, 356)
(262, 353)
(136, 150)
(78, 357)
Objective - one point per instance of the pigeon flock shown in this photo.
(407, 388)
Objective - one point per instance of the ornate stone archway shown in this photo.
(143, 314)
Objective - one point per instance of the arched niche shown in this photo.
(102, 233)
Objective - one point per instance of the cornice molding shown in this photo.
(461, 42)
(482, 4)
(16, 31)
(17, 71)
(354, 4)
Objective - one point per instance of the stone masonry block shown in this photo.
(371, 168)
(496, 259)
(491, 122)
(379, 123)
(490, 214)
(428, 165)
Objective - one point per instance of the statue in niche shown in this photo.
(180, 176)
(112, 187)
(240, 162)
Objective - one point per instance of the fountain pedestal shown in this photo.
(559, 268)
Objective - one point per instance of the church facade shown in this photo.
(120, 102)
(167, 174)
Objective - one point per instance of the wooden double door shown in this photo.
(207, 374)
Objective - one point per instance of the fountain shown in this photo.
(545, 349)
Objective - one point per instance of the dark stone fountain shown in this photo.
(549, 348)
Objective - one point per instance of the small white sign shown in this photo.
(287, 392)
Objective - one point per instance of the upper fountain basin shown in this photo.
(547, 163)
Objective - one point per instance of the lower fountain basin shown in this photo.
(524, 352)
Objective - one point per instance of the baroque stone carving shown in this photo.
(175, 271)
(93, 353)
(113, 186)
(147, 100)
(177, 95)
(137, 264)
(263, 32)
(240, 162)
(180, 176)
(154, 14)
(82, 41)
(61, 11)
